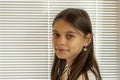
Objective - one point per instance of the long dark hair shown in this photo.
(86, 60)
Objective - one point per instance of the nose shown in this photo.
(61, 41)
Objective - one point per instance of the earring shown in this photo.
(85, 48)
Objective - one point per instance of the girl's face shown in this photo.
(67, 41)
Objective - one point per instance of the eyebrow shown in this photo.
(54, 31)
(66, 32)
(72, 32)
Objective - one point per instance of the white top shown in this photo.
(91, 76)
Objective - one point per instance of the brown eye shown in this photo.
(55, 35)
(69, 36)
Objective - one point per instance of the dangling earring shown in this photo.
(85, 48)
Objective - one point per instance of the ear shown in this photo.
(88, 39)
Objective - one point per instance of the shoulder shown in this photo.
(91, 76)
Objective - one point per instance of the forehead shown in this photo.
(63, 26)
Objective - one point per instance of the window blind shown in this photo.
(107, 38)
(25, 36)
(24, 40)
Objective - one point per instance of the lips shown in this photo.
(60, 49)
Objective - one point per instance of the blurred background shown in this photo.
(25, 36)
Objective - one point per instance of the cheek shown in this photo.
(76, 46)
(53, 42)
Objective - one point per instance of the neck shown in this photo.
(69, 62)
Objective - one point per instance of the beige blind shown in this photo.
(24, 40)
(25, 36)
(107, 38)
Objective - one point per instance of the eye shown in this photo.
(56, 35)
(69, 36)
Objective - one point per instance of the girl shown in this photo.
(73, 44)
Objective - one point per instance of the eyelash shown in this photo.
(68, 36)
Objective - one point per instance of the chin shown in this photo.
(61, 57)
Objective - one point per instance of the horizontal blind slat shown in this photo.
(23, 40)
